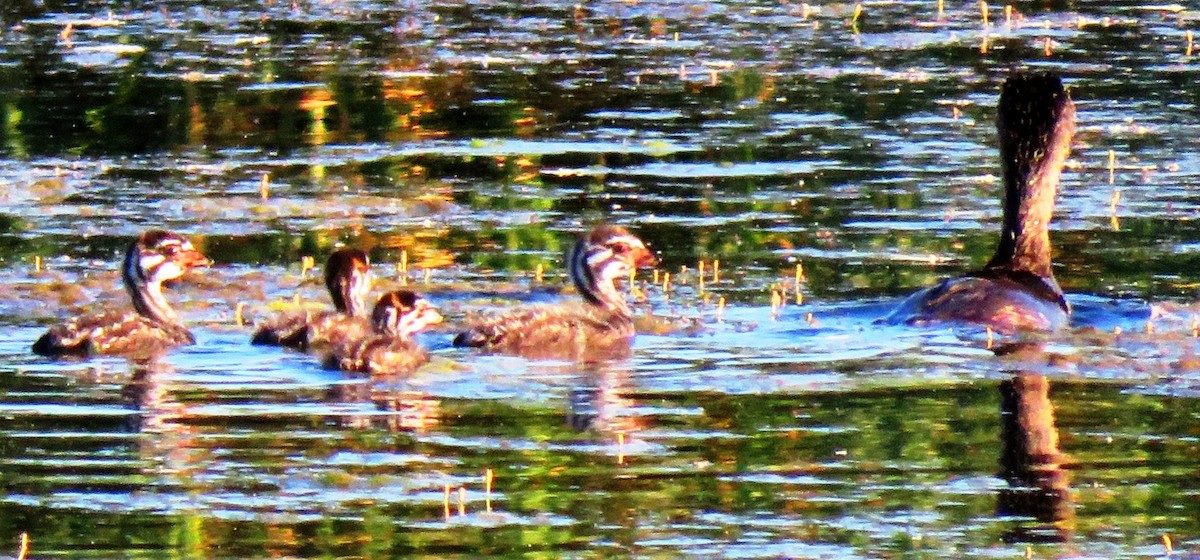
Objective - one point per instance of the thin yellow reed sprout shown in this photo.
(264, 186)
(462, 500)
(983, 10)
(488, 478)
(37, 263)
(1112, 167)
(446, 501)
(716, 276)
(239, 313)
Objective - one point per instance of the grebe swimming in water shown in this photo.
(390, 350)
(1016, 290)
(153, 327)
(602, 326)
(348, 279)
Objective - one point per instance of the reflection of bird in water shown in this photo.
(158, 414)
(597, 404)
(602, 327)
(153, 327)
(1031, 463)
(1017, 289)
(390, 349)
(396, 408)
(348, 278)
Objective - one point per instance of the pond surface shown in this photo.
(473, 141)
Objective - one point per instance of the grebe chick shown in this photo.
(348, 279)
(153, 327)
(390, 350)
(602, 326)
(1017, 289)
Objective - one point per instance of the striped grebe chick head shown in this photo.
(348, 278)
(403, 313)
(157, 256)
(602, 256)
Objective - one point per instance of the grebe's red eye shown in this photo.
(620, 248)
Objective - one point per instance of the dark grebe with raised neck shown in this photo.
(601, 326)
(390, 349)
(153, 327)
(1016, 290)
(348, 279)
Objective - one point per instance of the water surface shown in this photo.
(474, 141)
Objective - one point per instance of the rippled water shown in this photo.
(474, 140)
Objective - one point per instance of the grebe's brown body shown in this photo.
(348, 278)
(1016, 290)
(153, 327)
(600, 327)
(390, 349)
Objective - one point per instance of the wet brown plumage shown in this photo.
(600, 327)
(348, 279)
(153, 327)
(1017, 289)
(390, 349)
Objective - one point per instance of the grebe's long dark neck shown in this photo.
(157, 256)
(1036, 120)
(599, 258)
(348, 278)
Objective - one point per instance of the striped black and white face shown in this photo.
(611, 252)
(161, 256)
(403, 313)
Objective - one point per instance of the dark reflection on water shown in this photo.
(792, 150)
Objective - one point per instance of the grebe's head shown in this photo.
(605, 254)
(348, 278)
(403, 313)
(160, 256)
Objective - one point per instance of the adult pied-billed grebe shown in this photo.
(153, 327)
(601, 326)
(1016, 290)
(348, 278)
(390, 350)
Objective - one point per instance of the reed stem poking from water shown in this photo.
(239, 314)
(488, 478)
(990, 338)
(716, 277)
(23, 547)
(446, 501)
(1047, 46)
(540, 271)
(776, 303)
(720, 308)
(1166, 539)
(1008, 11)
(264, 186)
(1112, 166)
(462, 500)
(700, 276)
(37, 263)
(666, 283)
(307, 263)
(941, 10)
(983, 11)
(1190, 43)
(620, 448)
